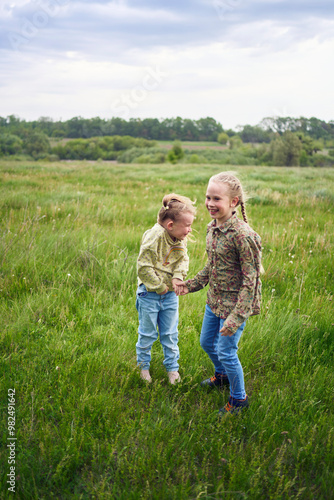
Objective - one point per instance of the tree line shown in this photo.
(275, 141)
(204, 129)
(183, 129)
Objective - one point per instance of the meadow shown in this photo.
(86, 426)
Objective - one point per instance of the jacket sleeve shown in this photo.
(250, 259)
(146, 264)
(181, 269)
(200, 280)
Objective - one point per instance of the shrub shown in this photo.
(10, 144)
(176, 153)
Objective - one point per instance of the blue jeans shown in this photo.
(223, 351)
(157, 312)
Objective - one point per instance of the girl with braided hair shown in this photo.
(162, 263)
(233, 275)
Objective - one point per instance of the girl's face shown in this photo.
(180, 228)
(219, 202)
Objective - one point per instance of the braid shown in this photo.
(243, 211)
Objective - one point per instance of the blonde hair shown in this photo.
(235, 189)
(173, 206)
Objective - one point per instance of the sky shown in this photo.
(236, 61)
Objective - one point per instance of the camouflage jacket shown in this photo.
(232, 272)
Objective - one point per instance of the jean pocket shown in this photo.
(141, 291)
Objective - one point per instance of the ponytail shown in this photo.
(173, 205)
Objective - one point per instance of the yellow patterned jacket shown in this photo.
(232, 272)
(161, 259)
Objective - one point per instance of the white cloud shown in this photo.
(257, 58)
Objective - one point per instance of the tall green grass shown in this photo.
(86, 425)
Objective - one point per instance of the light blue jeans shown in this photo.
(223, 351)
(157, 312)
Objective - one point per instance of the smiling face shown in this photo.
(180, 228)
(219, 203)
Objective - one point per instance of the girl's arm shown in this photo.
(181, 269)
(200, 280)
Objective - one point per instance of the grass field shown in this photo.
(86, 426)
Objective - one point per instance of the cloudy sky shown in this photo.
(237, 61)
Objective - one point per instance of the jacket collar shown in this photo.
(169, 239)
(226, 225)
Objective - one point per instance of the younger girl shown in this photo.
(233, 274)
(162, 263)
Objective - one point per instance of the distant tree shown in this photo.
(222, 138)
(208, 129)
(264, 154)
(44, 124)
(230, 132)
(176, 153)
(76, 127)
(190, 131)
(10, 144)
(309, 144)
(280, 124)
(286, 150)
(149, 129)
(235, 142)
(36, 144)
(313, 127)
(255, 134)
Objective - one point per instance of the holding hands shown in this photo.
(179, 287)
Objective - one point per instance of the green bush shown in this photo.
(105, 148)
(176, 153)
(36, 144)
(10, 144)
(222, 138)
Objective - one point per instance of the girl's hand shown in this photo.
(176, 282)
(179, 287)
(182, 290)
(165, 291)
(226, 332)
